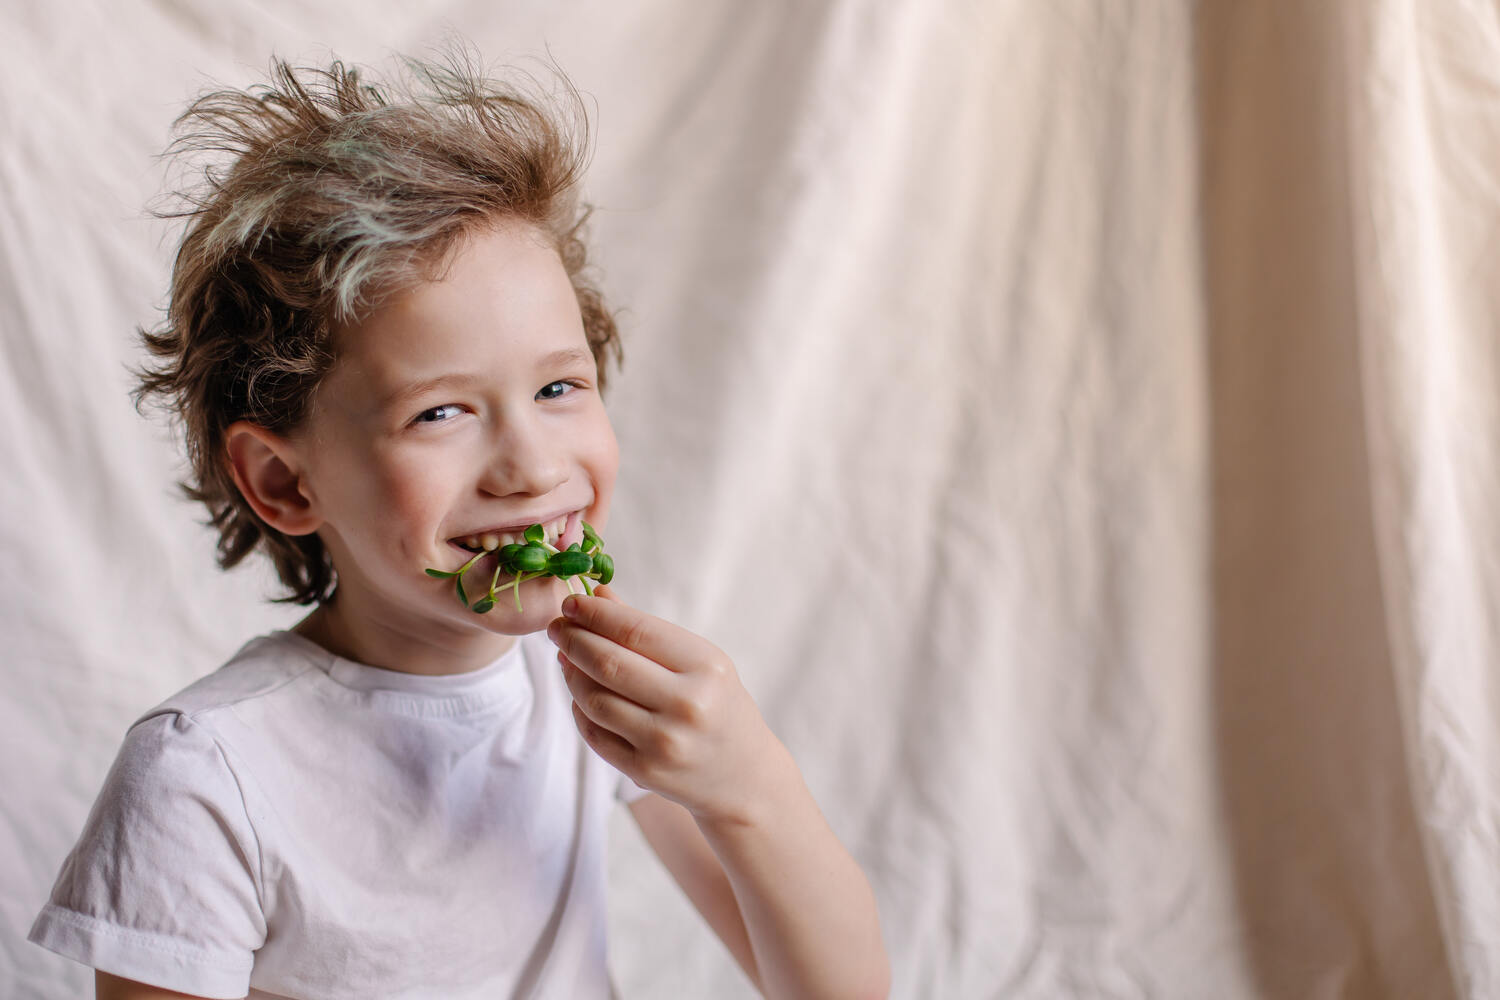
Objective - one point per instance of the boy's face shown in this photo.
(463, 407)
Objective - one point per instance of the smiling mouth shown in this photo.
(578, 554)
(556, 531)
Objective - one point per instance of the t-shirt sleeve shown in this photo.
(163, 886)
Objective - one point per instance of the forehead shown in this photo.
(502, 300)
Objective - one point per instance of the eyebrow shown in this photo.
(561, 358)
(568, 356)
(401, 394)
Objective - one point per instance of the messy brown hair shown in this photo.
(338, 191)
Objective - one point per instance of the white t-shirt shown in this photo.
(299, 825)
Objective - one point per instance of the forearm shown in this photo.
(807, 908)
(666, 707)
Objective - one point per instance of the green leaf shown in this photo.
(536, 534)
(463, 598)
(531, 559)
(441, 574)
(605, 567)
(569, 562)
(482, 605)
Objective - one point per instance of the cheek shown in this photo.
(392, 496)
(604, 464)
(408, 492)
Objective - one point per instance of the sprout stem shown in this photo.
(510, 558)
(470, 564)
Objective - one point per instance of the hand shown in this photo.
(664, 706)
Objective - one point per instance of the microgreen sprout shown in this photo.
(522, 561)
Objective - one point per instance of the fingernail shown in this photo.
(570, 606)
(554, 630)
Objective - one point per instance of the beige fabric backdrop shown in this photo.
(1114, 382)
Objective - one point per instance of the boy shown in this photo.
(385, 355)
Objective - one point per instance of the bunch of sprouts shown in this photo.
(522, 561)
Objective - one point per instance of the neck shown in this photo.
(390, 647)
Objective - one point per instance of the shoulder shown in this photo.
(165, 879)
(188, 740)
(164, 883)
(262, 666)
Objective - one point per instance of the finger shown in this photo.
(611, 665)
(602, 706)
(615, 750)
(607, 591)
(670, 645)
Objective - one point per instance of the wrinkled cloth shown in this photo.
(300, 825)
(1077, 421)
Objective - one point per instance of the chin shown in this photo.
(539, 605)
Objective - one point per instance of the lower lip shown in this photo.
(477, 579)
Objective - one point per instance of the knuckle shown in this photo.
(666, 748)
(596, 704)
(633, 633)
(720, 666)
(609, 667)
(692, 709)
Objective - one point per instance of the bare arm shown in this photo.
(666, 708)
(675, 838)
(779, 893)
(108, 987)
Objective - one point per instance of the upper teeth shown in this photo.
(492, 540)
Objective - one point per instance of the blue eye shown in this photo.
(553, 390)
(432, 416)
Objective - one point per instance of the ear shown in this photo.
(266, 469)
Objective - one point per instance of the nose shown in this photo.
(524, 461)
